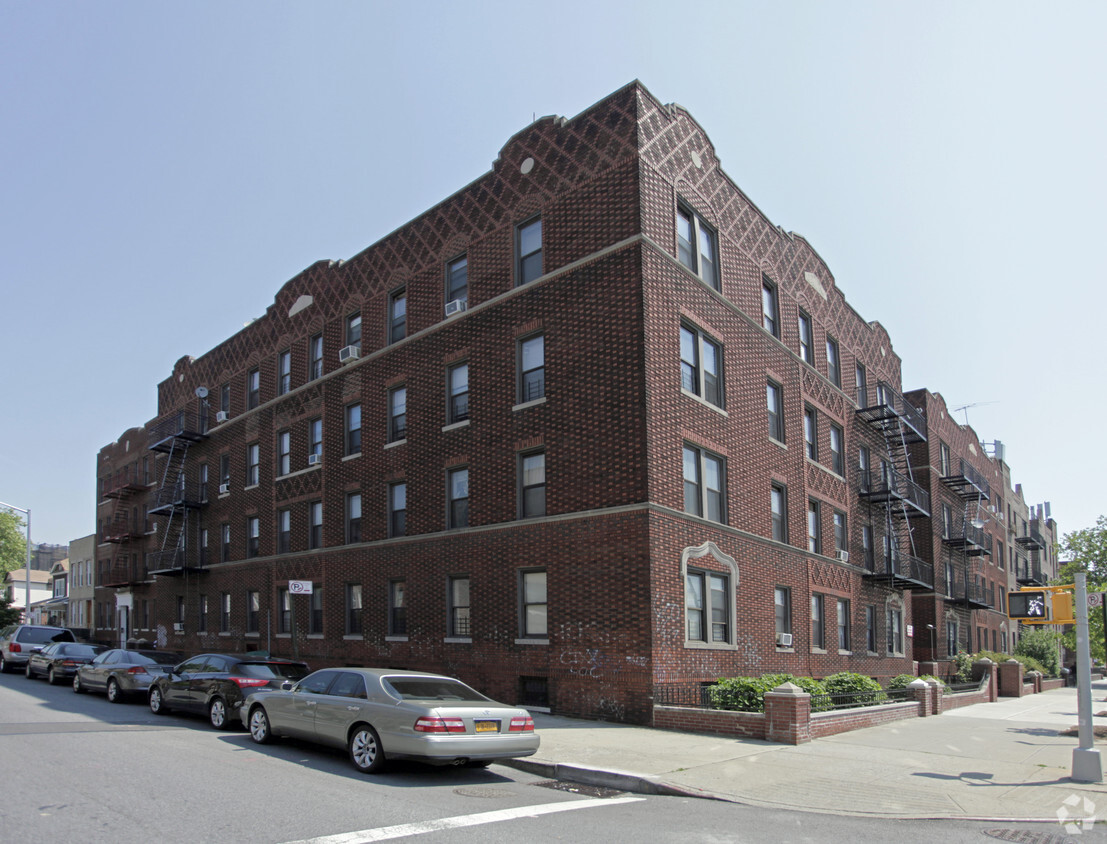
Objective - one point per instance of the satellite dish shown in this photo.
(202, 392)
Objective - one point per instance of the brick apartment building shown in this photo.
(590, 426)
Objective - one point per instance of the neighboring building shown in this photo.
(590, 427)
(55, 609)
(44, 555)
(82, 582)
(15, 588)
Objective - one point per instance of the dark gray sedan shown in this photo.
(122, 672)
(379, 714)
(60, 660)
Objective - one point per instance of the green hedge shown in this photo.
(864, 689)
(747, 694)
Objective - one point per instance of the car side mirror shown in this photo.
(287, 685)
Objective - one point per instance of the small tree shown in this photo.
(1042, 646)
(13, 545)
(8, 613)
(1087, 552)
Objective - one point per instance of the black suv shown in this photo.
(217, 684)
(19, 641)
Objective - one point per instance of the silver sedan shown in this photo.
(379, 714)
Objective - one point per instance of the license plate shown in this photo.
(487, 726)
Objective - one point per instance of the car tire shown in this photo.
(77, 686)
(5, 668)
(218, 715)
(51, 677)
(27, 672)
(157, 702)
(260, 731)
(115, 694)
(366, 752)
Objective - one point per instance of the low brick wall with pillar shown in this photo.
(1010, 679)
(922, 695)
(788, 715)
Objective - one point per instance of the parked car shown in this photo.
(217, 684)
(379, 714)
(122, 672)
(19, 641)
(60, 660)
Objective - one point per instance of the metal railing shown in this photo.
(855, 700)
(892, 485)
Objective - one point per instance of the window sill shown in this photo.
(453, 426)
(253, 635)
(395, 443)
(532, 641)
(781, 650)
(779, 443)
(284, 635)
(224, 633)
(709, 646)
(223, 495)
(844, 653)
(705, 403)
(458, 640)
(250, 486)
(395, 638)
(353, 456)
(353, 637)
(818, 650)
(297, 472)
(528, 404)
(315, 635)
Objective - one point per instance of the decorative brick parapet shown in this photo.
(1010, 679)
(712, 721)
(788, 715)
(923, 695)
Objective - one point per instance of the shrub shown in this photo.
(865, 689)
(963, 663)
(747, 694)
(902, 681)
(1040, 645)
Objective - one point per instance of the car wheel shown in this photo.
(77, 687)
(4, 667)
(115, 694)
(365, 749)
(259, 726)
(157, 702)
(217, 714)
(27, 672)
(51, 677)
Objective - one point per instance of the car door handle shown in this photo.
(353, 709)
(309, 702)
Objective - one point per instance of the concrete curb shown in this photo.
(619, 780)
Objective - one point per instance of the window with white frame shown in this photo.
(284, 531)
(778, 504)
(460, 623)
(284, 372)
(532, 484)
(528, 251)
(457, 279)
(353, 517)
(397, 414)
(533, 601)
(701, 365)
(397, 509)
(843, 624)
(353, 330)
(397, 316)
(837, 450)
(315, 438)
(782, 611)
(353, 429)
(704, 484)
(807, 341)
(870, 629)
(353, 609)
(315, 524)
(397, 608)
(532, 368)
(253, 459)
(284, 452)
(895, 631)
(810, 433)
(457, 481)
(818, 633)
(833, 362)
(315, 357)
(770, 307)
(862, 381)
(841, 534)
(457, 380)
(252, 536)
(697, 245)
(707, 607)
(774, 397)
(253, 389)
(814, 527)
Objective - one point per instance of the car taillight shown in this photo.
(137, 669)
(69, 663)
(440, 725)
(521, 725)
(249, 682)
(15, 649)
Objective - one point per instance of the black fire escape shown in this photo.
(176, 499)
(967, 539)
(891, 488)
(1031, 573)
(124, 529)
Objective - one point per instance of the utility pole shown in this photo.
(1086, 766)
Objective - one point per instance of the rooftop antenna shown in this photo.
(965, 407)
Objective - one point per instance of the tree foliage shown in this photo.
(13, 544)
(8, 613)
(1086, 551)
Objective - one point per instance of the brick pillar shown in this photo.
(788, 715)
(986, 668)
(1010, 678)
(1035, 677)
(937, 696)
(920, 690)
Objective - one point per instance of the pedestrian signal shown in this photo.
(1028, 605)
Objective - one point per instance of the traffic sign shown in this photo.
(300, 587)
(1028, 604)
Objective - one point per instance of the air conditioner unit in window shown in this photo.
(456, 306)
(178, 627)
(784, 640)
(315, 459)
(843, 556)
(224, 489)
(349, 353)
(221, 416)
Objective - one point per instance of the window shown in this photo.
(697, 246)
(775, 400)
(951, 638)
(225, 612)
(253, 389)
(397, 609)
(810, 433)
(864, 468)
(203, 547)
(315, 438)
(528, 251)
(534, 607)
(180, 609)
(457, 379)
(353, 429)
(397, 316)
(225, 398)
(701, 362)
(202, 619)
(146, 470)
(841, 535)
(837, 450)
(778, 498)
(818, 634)
(532, 368)
(253, 611)
(353, 330)
(457, 279)
(397, 509)
(814, 528)
(770, 307)
(707, 608)
(353, 517)
(284, 610)
(807, 342)
(704, 484)
(945, 465)
(284, 531)
(843, 624)
(459, 620)
(252, 527)
(870, 629)
(532, 484)
(224, 470)
(833, 362)
(353, 609)
(315, 613)
(458, 490)
(782, 603)
(397, 414)
(315, 524)
(252, 459)
(284, 452)
(203, 482)
(867, 549)
(315, 357)
(284, 372)
(895, 630)
(862, 387)
(947, 522)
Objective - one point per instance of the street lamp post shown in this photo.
(27, 569)
(933, 643)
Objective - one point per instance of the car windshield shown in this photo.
(270, 670)
(432, 688)
(155, 658)
(40, 635)
(81, 650)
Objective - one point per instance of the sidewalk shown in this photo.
(994, 761)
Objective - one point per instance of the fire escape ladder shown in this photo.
(173, 500)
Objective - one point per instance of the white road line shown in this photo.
(386, 833)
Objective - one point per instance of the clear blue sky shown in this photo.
(165, 168)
